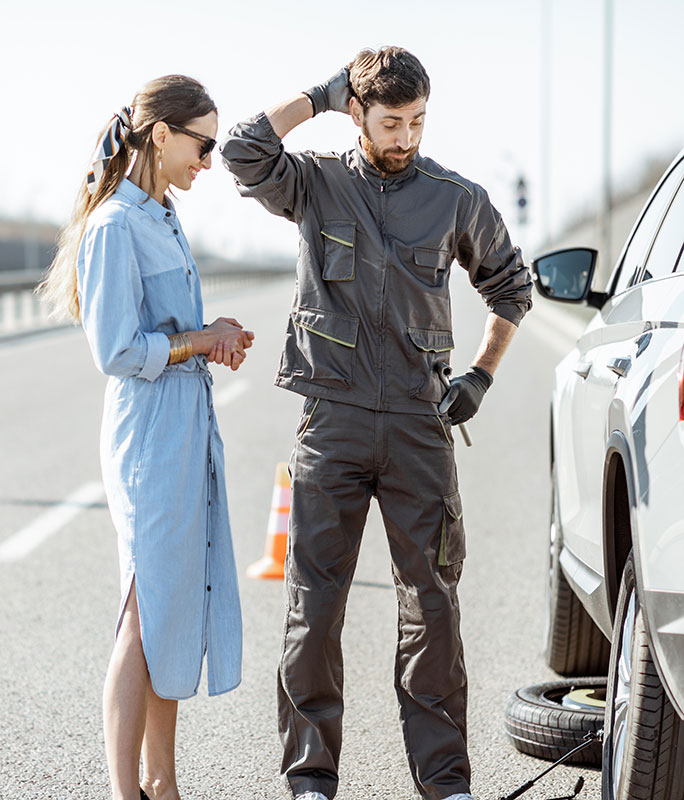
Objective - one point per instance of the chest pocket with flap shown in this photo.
(340, 250)
(431, 264)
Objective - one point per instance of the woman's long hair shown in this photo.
(175, 99)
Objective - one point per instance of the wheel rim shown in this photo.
(579, 696)
(553, 534)
(623, 682)
(549, 582)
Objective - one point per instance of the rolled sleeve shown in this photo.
(263, 169)
(111, 295)
(157, 357)
(494, 265)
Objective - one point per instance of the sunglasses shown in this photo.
(207, 144)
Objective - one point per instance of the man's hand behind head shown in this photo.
(332, 95)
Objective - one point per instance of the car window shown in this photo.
(666, 250)
(638, 248)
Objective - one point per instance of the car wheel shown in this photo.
(549, 719)
(642, 731)
(575, 645)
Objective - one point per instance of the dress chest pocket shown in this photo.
(167, 296)
(340, 250)
(160, 251)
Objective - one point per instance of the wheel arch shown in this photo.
(620, 495)
(619, 515)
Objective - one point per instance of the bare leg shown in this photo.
(125, 705)
(158, 749)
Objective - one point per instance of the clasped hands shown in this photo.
(229, 342)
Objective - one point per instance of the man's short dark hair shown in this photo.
(390, 76)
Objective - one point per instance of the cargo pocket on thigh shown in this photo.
(452, 543)
(340, 251)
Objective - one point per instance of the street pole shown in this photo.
(605, 248)
(545, 149)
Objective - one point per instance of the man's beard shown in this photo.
(381, 159)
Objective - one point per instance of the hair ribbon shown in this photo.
(109, 145)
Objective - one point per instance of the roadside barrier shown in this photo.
(272, 565)
(22, 311)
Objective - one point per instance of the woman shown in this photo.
(124, 268)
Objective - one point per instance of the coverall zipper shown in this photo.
(381, 362)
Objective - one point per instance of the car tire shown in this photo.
(575, 645)
(644, 736)
(550, 719)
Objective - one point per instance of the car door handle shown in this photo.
(620, 366)
(583, 368)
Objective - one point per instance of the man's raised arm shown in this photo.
(253, 151)
(332, 95)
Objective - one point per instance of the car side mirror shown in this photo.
(565, 275)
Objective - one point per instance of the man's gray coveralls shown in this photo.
(371, 318)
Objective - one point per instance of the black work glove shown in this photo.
(464, 395)
(333, 95)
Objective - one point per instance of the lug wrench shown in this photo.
(444, 372)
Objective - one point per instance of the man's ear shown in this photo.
(356, 111)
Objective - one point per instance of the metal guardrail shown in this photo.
(21, 311)
(19, 280)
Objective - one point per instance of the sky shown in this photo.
(68, 67)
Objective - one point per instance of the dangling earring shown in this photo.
(161, 155)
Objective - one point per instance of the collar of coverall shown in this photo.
(393, 179)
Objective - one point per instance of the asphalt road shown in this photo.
(59, 601)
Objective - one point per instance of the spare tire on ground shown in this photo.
(550, 719)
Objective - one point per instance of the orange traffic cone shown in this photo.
(272, 565)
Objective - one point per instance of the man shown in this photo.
(368, 342)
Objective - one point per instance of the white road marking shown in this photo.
(557, 339)
(230, 393)
(20, 544)
(561, 317)
(557, 328)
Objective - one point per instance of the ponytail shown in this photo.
(59, 288)
(175, 99)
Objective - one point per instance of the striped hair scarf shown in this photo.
(108, 146)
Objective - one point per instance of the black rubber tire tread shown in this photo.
(539, 727)
(575, 645)
(654, 754)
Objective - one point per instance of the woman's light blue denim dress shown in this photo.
(161, 451)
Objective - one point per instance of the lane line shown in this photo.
(230, 393)
(23, 542)
(557, 339)
(561, 318)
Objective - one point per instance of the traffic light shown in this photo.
(521, 202)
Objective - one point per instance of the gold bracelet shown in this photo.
(187, 350)
(180, 348)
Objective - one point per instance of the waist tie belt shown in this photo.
(201, 372)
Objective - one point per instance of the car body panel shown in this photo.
(621, 382)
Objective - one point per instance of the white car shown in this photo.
(615, 595)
